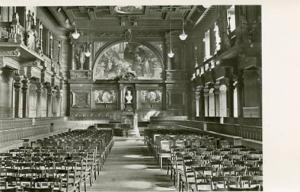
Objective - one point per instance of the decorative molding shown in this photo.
(10, 53)
(80, 74)
(9, 62)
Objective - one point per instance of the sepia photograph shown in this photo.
(128, 97)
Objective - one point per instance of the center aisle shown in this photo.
(131, 167)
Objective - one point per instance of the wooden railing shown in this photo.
(240, 130)
(16, 129)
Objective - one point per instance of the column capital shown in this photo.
(216, 89)
(17, 83)
(39, 86)
(25, 83)
(206, 91)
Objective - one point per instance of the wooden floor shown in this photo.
(131, 167)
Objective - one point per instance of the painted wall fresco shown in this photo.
(128, 57)
(104, 96)
(151, 96)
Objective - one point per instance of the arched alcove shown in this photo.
(120, 57)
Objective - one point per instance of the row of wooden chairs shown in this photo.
(206, 163)
(62, 162)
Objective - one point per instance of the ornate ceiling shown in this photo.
(116, 19)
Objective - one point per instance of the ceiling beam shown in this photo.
(81, 9)
(69, 14)
(59, 16)
(91, 13)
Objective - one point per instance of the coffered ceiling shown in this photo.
(116, 19)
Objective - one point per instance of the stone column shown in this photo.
(17, 86)
(217, 100)
(54, 102)
(58, 99)
(25, 97)
(49, 100)
(38, 99)
(240, 91)
(73, 55)
(202, 103)
(206, 102)
(229, 95)
(223, 107)
(164, 97)
(39, 48)
(197, 102)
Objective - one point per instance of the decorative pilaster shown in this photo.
(73, 55)
(202, 102)
(206, 101)
(40, 39)
(17, 86)
(24, 97)
(58, 101)
(217, 99)
(49, 100)
(240, 91)
(38, 99)
(229, 96)
(51, 45)
(197, 102)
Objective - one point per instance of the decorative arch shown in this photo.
(118, 57)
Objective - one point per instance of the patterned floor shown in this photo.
(130, 167)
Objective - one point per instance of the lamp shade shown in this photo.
(171, 54)
(183, 36)
(87, 53)
(75, 34)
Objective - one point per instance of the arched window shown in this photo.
(211, 99)
(223, 101)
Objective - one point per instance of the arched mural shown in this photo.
(124, 57)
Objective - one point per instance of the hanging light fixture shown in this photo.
(75, 34)
(183, 35)
(87, 51)
(171, 53)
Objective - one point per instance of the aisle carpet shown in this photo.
(131, 167)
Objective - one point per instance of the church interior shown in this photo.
(131, 98)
